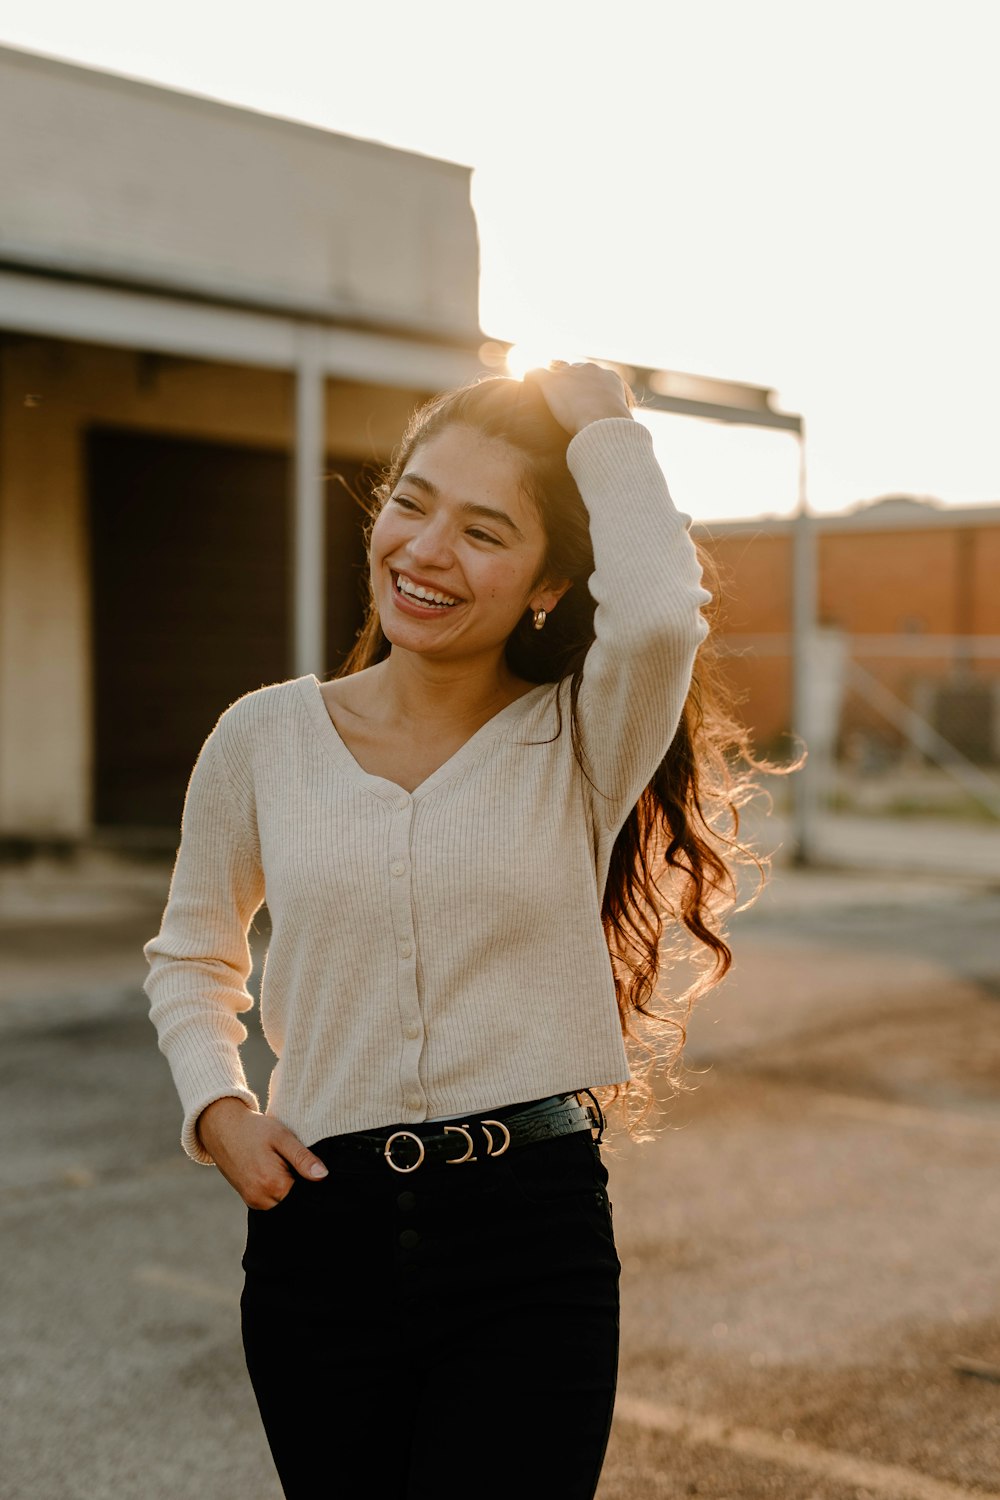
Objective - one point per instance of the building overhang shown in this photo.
(159, 322)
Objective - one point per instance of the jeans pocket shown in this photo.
(282, 1203)
(272, 1234)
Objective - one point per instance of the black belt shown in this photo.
(404, 1148)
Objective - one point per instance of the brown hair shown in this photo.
(674, 861)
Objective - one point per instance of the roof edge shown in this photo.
(132, 83)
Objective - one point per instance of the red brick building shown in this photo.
(914, 586)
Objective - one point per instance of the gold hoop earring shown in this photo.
(540, 618)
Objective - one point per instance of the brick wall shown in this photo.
(905, 582)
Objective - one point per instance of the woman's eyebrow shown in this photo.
(485, 511)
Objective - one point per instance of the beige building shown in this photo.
(213, 324)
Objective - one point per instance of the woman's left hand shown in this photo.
(580, 394)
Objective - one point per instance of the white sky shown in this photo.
(795, 194)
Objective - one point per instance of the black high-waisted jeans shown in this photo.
(448, 1334)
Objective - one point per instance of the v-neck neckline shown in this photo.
(382, 786)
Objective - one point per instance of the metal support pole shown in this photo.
(806, 782)
(308, 583)
(750, 406)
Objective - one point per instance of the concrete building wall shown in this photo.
(200, 273)
(50, 392)
(108, 177)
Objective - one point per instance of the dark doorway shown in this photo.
(191, 602)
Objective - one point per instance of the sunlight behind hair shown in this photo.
(524, 357)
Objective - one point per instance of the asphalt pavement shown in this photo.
(809, 1244)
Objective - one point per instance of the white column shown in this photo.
(806, 792)
(308, 581)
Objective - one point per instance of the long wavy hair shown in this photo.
(674, 865)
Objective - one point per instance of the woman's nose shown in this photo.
(432, 542)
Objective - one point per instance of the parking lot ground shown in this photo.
(809, 1244)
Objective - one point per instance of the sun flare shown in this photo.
(524, 357)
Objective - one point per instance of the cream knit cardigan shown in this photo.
(436, 952)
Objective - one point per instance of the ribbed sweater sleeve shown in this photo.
(199, 962)
(648, 622)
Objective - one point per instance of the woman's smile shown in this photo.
(457, 541)
(413, 594)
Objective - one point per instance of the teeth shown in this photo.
(417, 591)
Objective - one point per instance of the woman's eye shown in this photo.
(405, 503)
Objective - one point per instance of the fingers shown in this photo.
(555, 365)
(583, 377)
(260, 1157)
(304, 1161)
(274, 1181)
(268, 1196)
(582, 393)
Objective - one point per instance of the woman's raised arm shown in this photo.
(647, 582)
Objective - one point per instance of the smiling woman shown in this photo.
(451, 576)
(471, 841)
(435, 552)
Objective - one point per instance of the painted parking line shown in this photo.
(886, 1481)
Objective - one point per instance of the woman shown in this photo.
(460, 841)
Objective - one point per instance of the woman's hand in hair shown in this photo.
(255, 1153)
(580, 394)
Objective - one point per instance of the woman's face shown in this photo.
(457, 549)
